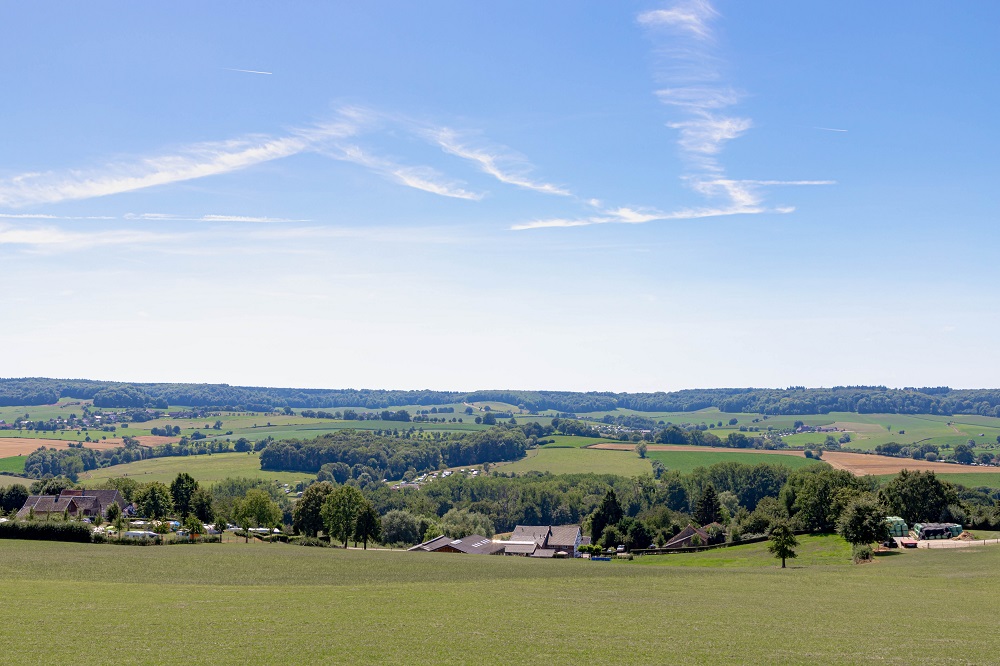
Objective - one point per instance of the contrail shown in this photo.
(831, 129)
(245, 71)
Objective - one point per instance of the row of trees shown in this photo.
(390, 456)
(793, 400)
(73, 461)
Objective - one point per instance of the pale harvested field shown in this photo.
(856, 463)
(614, 446)
(22, 446)
(860, 464)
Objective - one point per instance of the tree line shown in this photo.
(391, 456)
(791, 401)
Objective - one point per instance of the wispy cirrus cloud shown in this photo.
(197, 161)
(691, 70)
(55, 239)
(215, 158)
(498, 162)
(418, 177)
(168, 217)
(692, 17)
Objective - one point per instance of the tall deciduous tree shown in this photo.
(257, 509)
(368, 526)
(863, 523)
(783, 542)
(608, 513)
(340, 512)
(917, 496)
(307, 515)
(154, 501)
(708, 510)
(181, 490)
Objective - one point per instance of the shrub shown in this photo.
(46, 531)
(309, 541)
(862, 553)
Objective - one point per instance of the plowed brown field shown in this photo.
(22, 446)
(860, 464)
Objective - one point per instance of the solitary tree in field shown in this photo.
(783, 542)
(641, 448)
(368, 526)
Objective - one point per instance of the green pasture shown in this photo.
(812, 551)
(573, 441)
(13, 464)
(238, 604)
(579, 461)
(205, 469)
(686, 461)
(969, 480)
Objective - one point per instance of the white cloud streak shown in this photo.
(499, 163)
(421, 178)
(167, 217)
(53, 239)
(692, 17)
(246, 71)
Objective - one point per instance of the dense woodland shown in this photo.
(356, 452)
(794, 400)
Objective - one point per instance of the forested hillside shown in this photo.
(794, 400)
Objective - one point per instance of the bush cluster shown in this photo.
(46, 531)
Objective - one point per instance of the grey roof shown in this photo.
(71, 500)
(544, 552)
(434, 543)
(474, 544)
(537, 533)
(565, 536)
(520, 547)
(684, 537)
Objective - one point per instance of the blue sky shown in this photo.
(564, 195)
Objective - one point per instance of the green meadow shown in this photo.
(239, 604)
(13, 464)
(686, 461)
(572, 460)
(205, 469)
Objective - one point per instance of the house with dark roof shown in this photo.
(544, 541)
(77, 503)
(474, 544)
(686, 538)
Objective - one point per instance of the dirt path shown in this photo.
(948, 543)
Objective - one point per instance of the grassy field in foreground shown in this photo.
(685, 461)
(276, 603)
(580, 461)
(206, 469)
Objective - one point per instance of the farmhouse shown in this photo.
(74, 502)
(544, 541)
(686, 537)
(474, 544)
